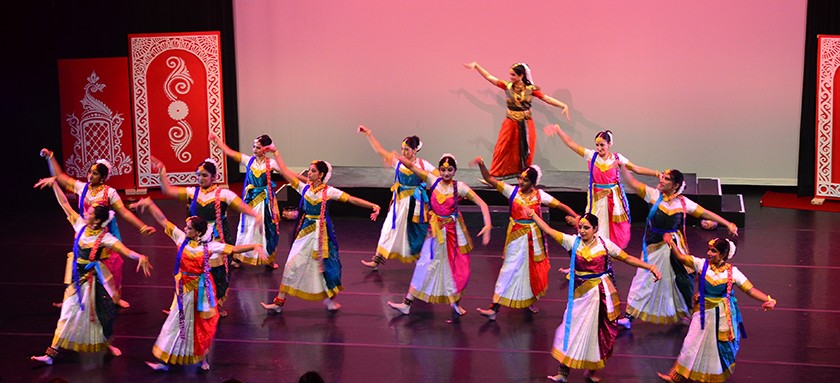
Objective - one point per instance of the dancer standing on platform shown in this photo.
(95, 191)
(443, 270)
(666, 302)
(515, 146)
(709, 350)
(87, 316)
(313, 268)
(258, 193)
(188, 332)
(586, 337)
(405, 224)
(523, 278)
(211, 202)
(605, 194)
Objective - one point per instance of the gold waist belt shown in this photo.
(519, 115)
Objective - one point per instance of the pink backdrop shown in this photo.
(713, 86)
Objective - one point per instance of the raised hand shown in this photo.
(45, 183)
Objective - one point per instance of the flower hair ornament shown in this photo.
(681, 189)
(450, 155)
(212, 161)
(111, 215)
(731, 248)
(610, 138)
(419, 145)
(528, 74)
(539, 173)
(106, 164)
(329, 170)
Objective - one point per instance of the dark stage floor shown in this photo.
(787, 253)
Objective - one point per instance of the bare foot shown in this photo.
(490, 314)
(158, 366)
(114, 351)
(204, 365)
(43, 359)
(123, 304)
(271, 307)
(664, 377)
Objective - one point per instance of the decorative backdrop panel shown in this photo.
(95, 123)
(177, 94)
(827, 170)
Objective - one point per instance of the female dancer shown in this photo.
(586, 337)
(95, 191)
(89, 308)
(188, 332)
(523, 278)
(210, 202)
(665, 302)
(606, 198)
(258, 193)
(313, 269)
(708, 352)
(405, 226)
(515, 146)
(443, 270)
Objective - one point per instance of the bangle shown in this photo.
(770, 299)
(144, 228)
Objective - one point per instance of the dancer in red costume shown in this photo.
(515, 146)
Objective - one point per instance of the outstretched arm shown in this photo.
(237, 156)
(484, 73)
(642, 170)
(374, 143)
(55, 169)
(632, 181)
(769, 303)
(59, 195)
(638, 263)
(551, 130)
(165, 186)
(362, 203)
(733, 228)
(147, 204)
(290, 176)
(485, 173)
(555, 102)
(134, 221)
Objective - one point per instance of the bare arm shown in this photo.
(632, 181)
(483, 72)
(290, 176)
(485, 173)
(682, 257)
(165, 186)
(552, 130)
(411, 166)
(226, 149)
(541, 223)
(134, 221)
(142, 260)
(768, 302)
(733, 228)
(374, 143)
(240, 206)
(555, 102)
(60, 197)
(362, 203)
(638, 263)
(642, 170)
(485, 215)
(147, 204)
(55, 169)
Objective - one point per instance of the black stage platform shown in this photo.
(787, 253)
